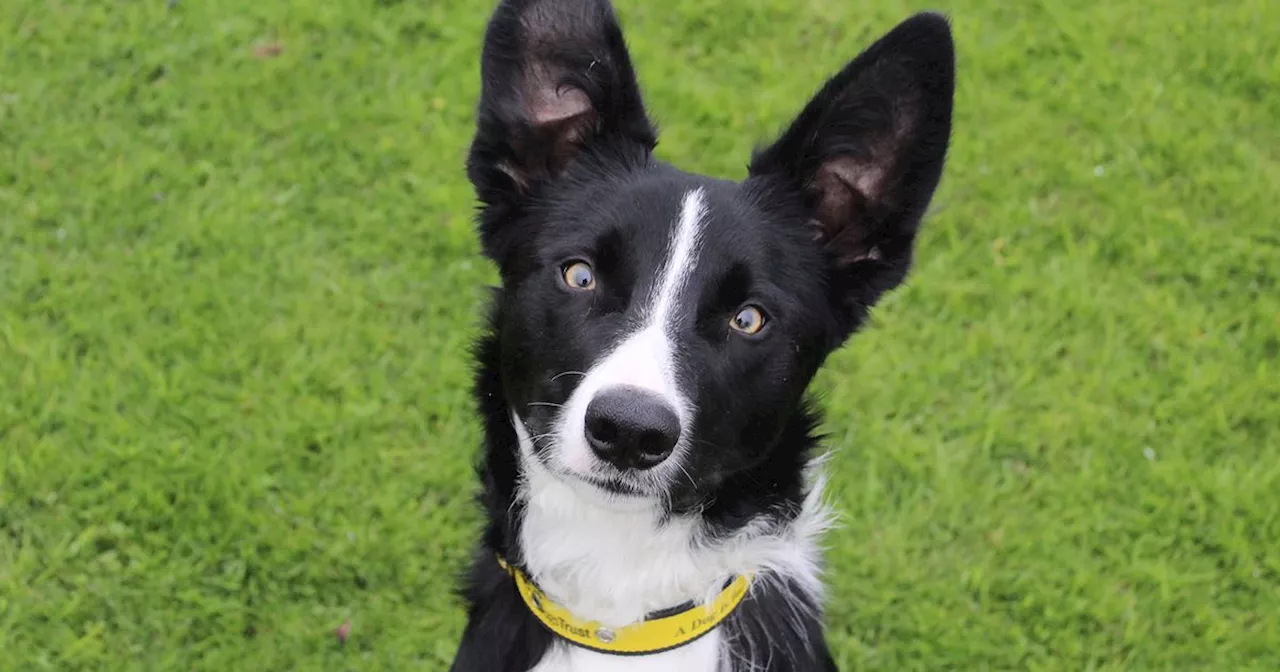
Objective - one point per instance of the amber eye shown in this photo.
(749, 320)
(579, 275)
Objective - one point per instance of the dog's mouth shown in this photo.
(617, 485)
(605, 479)
(614, 483)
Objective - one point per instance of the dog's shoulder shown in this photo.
(501, 634)
(778, 628)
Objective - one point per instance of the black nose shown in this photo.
(631, 428)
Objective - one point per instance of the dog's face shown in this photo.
(658, 329)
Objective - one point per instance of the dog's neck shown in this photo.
(615, 562)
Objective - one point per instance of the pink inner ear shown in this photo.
(845, 187)
(559, 117)
(866, 179)
(548, 103)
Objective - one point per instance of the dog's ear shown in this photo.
(867, 153)
(555, 77)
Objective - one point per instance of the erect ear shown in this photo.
(555, 77)
(867, 154)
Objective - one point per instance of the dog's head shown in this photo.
(658, 328)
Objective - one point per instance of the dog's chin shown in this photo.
(610, 491)
(613, 486)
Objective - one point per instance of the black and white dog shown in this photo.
(650, 477)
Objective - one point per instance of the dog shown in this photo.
(651, 472)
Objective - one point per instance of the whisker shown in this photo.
(685, 472)
(545, 403)
(568, 373)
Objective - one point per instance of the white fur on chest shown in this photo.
(614, 565)
(615, 562)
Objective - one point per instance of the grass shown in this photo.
(238, 282)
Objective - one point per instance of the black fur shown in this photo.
(823, 226)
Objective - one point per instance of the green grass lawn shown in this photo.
(238, 283)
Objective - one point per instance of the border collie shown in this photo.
(651, 478)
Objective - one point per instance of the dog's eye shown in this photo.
(579, 275)
(749, 320)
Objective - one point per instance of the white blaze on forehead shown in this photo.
(646, 357)
(680, 257)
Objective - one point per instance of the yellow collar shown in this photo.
(656, 633)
